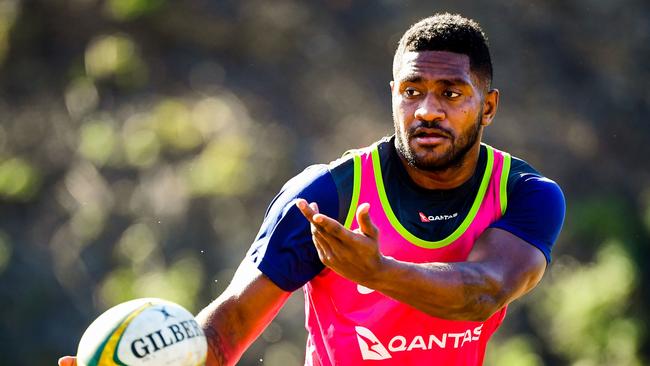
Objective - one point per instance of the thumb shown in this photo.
(365, 223)
(67, 361)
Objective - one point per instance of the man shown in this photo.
(411, 249)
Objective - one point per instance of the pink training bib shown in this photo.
(349, 324)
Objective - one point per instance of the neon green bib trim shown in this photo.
(463, 226)
(356, 189)
(505, 172)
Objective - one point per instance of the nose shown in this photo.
(430, 110)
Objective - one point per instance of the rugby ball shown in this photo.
(143, 332)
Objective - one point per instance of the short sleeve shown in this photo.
(283, 249)
(535, 212)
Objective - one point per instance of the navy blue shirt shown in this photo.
(283, 249)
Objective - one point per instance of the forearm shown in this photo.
(236, 318)
(457, 291)
(226, 343)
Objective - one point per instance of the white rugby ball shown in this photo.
(143, 332)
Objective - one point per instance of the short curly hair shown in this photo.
(452, 33)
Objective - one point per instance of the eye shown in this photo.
(411, 92)
(451, 94)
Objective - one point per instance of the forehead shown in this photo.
(433, 65)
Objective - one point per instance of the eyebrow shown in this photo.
(449, 81)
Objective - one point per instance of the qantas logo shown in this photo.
(425, 218)
(372, 348)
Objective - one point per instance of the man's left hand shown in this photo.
(354, 254)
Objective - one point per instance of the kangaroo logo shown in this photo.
(371, 348)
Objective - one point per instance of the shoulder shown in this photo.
(313, 184)
(329, 182)
(313, 179)
(338, 170)
(523, 176)
(535, 207)
(308, 176)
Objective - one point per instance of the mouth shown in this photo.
(430, 136)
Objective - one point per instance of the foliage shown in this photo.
(141, 140)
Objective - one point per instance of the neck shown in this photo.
(449, 178)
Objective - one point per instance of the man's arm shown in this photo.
(500, 268)
(236, 318)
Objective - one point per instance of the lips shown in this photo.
(429, 136)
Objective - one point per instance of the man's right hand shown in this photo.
(68, 361)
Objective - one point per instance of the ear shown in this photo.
(392, 85)
(490, 105)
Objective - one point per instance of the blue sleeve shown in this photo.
(283, 249)
(535, 212)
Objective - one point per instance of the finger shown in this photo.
(330, 226)
(306, 209)
(326, 240)
(314, 206)
(324, 252)
(67, 361)
(330, 247)
(365, 223)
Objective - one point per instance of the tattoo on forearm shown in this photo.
(216, 347)
(478, 290)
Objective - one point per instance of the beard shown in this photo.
(451, 158)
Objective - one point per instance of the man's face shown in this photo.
(438, 109)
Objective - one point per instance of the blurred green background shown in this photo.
(141, 141)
